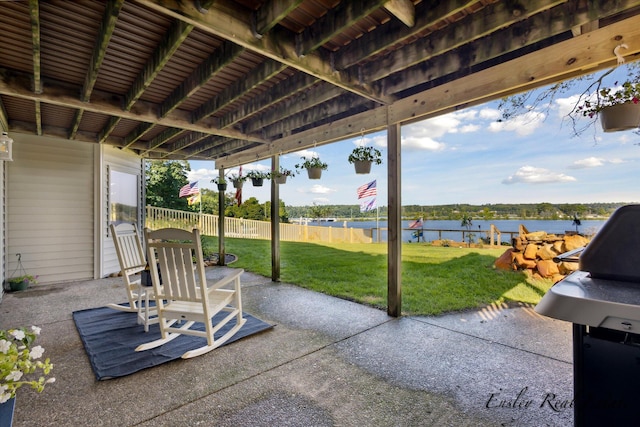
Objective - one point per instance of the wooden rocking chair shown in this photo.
(132, 262)
(184, 297)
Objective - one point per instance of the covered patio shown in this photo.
(326, 362)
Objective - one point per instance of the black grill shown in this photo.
(602, 300)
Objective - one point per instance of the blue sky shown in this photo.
(470, 157)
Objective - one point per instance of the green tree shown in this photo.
(163, 182)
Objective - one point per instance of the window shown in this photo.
(123, 197)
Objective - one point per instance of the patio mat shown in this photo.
(110, 338)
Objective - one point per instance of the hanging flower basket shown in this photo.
(257, 178)
(362, 157)
(222, 186)
(237, 183)
(314, 173)
(313, 165)
(257, 182)
(362, 166)
(280, 179)
(620, 117)
(280, 176)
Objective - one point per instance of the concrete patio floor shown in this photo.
(327, 362)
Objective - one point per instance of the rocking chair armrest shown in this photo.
(225, 280)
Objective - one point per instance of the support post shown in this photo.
(221, 249)
(394, 241)
(275, 222)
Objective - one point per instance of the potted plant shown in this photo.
(20, 283)
(618, 108)
(237, 180)
(18, 360)
(257, 177)
(280, 176)
(313, 165)
(362, 157)
(221, 182)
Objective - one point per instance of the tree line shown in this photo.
(165, 178)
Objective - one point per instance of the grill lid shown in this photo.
(614, 252)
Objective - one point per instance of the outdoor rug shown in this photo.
(110, 338)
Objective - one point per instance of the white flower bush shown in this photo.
(19, 358)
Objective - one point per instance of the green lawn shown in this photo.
(435, 280)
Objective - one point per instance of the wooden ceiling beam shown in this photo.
(16, 84)
(108, 24)
(137, 133)
(540, 27)
(178, 32)
(34, 12)
(289, 87)
(335, 21)
(486, 23)
(263, 72)
(584, 54)
(271, 13)
(301, 102)
(228, 147)
(162, 138)
(236, 27)
(215, 62)
(396, 33)
(4, 118)
(404, 10)
(185, 141)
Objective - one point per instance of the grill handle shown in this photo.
(571, 256)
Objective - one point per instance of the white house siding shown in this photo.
(122, 161)
(50, 208)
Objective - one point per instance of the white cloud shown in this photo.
(533, 175)
(202, 174)
(320, 200)
(320, 189)
(523, 124)
(565, 105)
(490, 114)
(590, 162)
(469, 128)
(422, 143)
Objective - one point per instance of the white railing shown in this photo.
(252, 229)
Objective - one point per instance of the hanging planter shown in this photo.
(620, 117)
(257, 178)
(362, 157)
(237, 180)
(280, 176)
(314, 167)
(221, 182)
(22, 280)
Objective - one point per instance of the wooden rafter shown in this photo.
(560, 61)
(137, 133)
(262, 72)
(4, 120)
(185, 141)
(236, 27)
(109, 19)
(337, 19)
(12, 84)
(404, 10)
(224, 55)
(287, 88)
(271, 13)
(38, 113)
(162, 138)
(34, 10)
(175, 37)
(108, 128)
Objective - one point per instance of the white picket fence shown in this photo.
(252, 229)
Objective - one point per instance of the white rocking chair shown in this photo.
(184, 297)
(132, 262)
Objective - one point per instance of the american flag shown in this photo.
(416, 224)
(368, 205)
(367, 190)
(239, 190)
(189, 189)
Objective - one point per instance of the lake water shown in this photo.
(479, 228)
